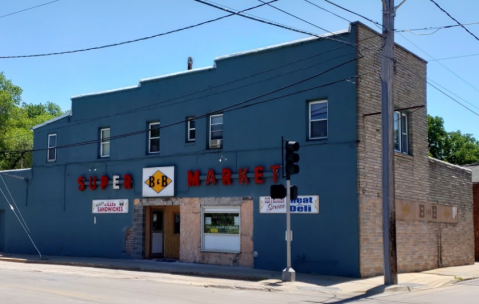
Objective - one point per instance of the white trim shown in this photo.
(51, 120)
(188, 128)
(54, 147)
(322, 119)
(281, 45)
(105, 92)
(150, 138)
(222, 130)
(177, 74)
(102, 142)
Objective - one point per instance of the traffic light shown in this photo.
(291, 158)
(293, 194)
(278, 191)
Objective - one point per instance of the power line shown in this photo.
(262, 20)
(3, 16)
(321, 8)
(454, 19)
(447, 58)
(436, 28)
(163, 103)
(451, 98)
(134, 40)
(354, 13)
(294, 16)
(234, 107)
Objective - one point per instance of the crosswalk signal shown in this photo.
(291, 158)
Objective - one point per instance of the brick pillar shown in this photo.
(138, 230)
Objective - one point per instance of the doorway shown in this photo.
(162, 232)
(157, 234)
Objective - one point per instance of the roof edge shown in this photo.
(68, 113)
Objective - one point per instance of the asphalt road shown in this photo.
(41, 284)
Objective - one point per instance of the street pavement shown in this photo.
(237, 278)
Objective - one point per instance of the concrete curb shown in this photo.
(230, 276)
(236, 287)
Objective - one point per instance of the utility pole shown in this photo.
(387, 116)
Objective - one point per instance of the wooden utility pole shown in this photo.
(387, 115)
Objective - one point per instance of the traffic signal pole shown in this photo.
(289, 275)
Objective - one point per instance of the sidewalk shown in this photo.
(265, 280)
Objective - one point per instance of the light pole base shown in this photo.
(289, 275)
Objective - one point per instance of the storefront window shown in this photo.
(221, 229)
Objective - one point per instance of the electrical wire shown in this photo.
(447, 58)
(460, 24)
(134, 40)
(437, 28)
(321, 8)
(3, 16)
(164, 103)
(262, 20)
(477, 114)
(234, 107)
(354, 13)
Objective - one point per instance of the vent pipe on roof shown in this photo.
(190, 63)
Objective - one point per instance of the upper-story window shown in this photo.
(52, 148)
(216, 131)
(154, 137)
(401, 132)
(318, 119)
(105, 142)
(191, 129)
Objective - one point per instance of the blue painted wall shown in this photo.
(60, 216)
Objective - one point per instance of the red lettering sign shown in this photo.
(193, 179)
(103, 182)
(258, 175)
(127, 180)
(275, 169)
(243, 179)
(81, 182)
(226, 176)
(210, 177)
(92, 183)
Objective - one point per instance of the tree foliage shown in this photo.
(16, 119)
(453, 147)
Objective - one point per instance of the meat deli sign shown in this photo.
(226, 178)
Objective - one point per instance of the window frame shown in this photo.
(150, 138)
(189, 128)
(222, 129)
(220, 209)
(310, 121)
(404, 147)
(53, 147)
(103, 142)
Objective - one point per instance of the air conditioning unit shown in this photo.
(216, 143)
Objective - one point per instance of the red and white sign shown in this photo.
(110, 206)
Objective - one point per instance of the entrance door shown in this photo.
(157, 233)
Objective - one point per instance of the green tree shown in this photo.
(16, 119)
(453, 147)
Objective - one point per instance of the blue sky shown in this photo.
(75, 24)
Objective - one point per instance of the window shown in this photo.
(401, 132)
(105, 142)
(221, 229)
(216, 131)
(191, 129)
(52, 148)
(318, 119)
(176, 223)
(154, 137)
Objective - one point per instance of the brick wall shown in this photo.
(419, 243)
(476, 219)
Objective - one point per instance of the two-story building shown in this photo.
(180, 167)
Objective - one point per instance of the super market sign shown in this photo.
(303, 204)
